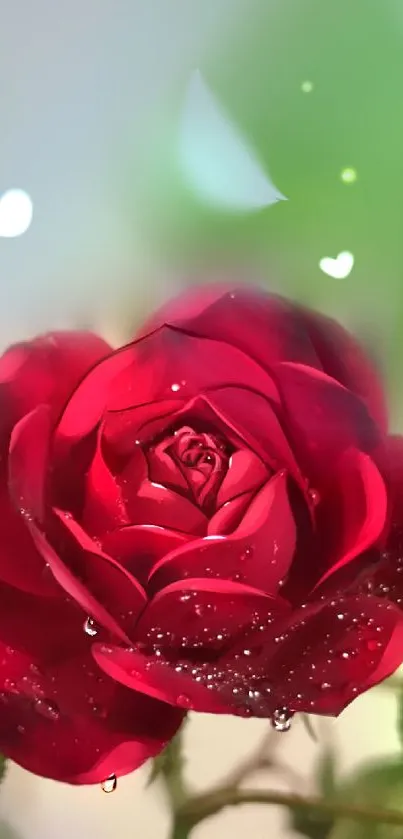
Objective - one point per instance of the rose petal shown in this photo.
(202, 613)
(28, 460)
(122, 430)
(73, 725)
(324, 419)
(229, 516)
(252, 418)
(343, 359)
(45, 370)
(362, 506)
(20, 563)
(326, 660)
(158, 505)
(169, 362)
(259, 552)
(72, 585)
(108, 582)
(104, 507)
(138, 547)
(245, 472)
(264, 326)
(270, 328)
(158, 681)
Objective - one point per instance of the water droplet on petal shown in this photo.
(110, 784)
(175, 387)
(314, 495)
(90, 627)
(203, 609)
(184, 701)
(247, 554)
(47, 709)
(281, 719)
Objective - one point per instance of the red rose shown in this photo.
(218, 504)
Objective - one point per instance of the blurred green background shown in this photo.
(350, 115)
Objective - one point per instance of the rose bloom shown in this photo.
(209, 518)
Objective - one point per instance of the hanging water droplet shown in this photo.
(281, 719)
(110, 784)
(90, 627)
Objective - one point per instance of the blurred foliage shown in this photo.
(309, 727)
(312, 824)
(315, 89)
(379, 785)
(399, 697)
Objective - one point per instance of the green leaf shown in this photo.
(318, 825)
(379, 785)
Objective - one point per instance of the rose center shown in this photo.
(203, 461)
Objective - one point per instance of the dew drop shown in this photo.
(90, 627)
(184, 701)
(110, 784)
(20, 729)
(47, 709)
(175, 387)
(281, 719)
(373, 645)
(247, 554)
(203, 609)
(314, 495)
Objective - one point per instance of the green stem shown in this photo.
(181, 828)
(202, 806)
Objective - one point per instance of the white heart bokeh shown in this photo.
(340, 267)
(16, 210)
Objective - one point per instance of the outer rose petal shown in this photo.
(21, 565)
(72, 724)
(270, 329)
(356, 508)
(323, 418)
(45, 370)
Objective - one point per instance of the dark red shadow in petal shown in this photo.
(139, 547)
(323, 418)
